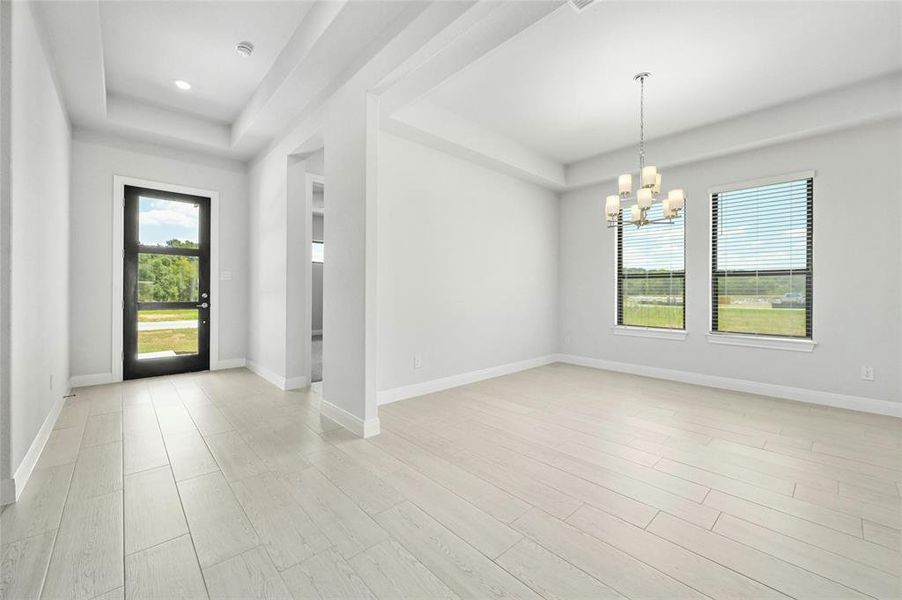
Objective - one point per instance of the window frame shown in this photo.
(621, 328)
(764, 340)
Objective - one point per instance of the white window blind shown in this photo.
(651, 276)
(761, 281)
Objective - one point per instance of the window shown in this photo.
(317, 252)
(651, 277)
(761, 260)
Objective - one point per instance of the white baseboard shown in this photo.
(77, 381)
(352, 423)
(445, 383)
(859, 403)
(23, 472)
(295, 383)
(273, 378)
(290, 383)
(228, 363)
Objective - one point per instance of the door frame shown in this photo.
(116, 305)
(310, 180)
(134, 250)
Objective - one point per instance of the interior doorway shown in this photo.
(166, 283)
(318, 264)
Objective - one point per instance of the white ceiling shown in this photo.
(116, 63)
(531, 85)
(148, 45)
(564, 88)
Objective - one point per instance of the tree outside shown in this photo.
(168, 278)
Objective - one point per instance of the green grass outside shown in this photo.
(652, 315)
(181, 314)
(180, 341)
(777, 321)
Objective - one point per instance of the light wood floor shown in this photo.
(559, 482)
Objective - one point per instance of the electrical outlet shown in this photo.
(867, 373)
(225, 276)
(417, 361)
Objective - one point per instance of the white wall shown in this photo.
(7, 491)
(315, 162)
(857, 256)
(468, 266)
(40, 149)
(348, 366)
(277, 222)
(297, 253)
(95, 160)
(267, 264)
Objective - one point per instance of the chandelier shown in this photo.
(649, 184)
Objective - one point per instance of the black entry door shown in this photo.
(166, 308)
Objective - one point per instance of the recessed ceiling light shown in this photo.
(244, 49)
(182, 84)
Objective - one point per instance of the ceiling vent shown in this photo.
(244, 49)
(581, 5)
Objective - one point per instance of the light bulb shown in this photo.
(649, 175)
(625, 184)
(677, 199)
(612, 207)
(669, 213)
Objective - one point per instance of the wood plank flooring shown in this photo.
(560, 482)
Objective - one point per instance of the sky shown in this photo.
(162, 220)
(758, 228)
(763, 228)
(656, 246)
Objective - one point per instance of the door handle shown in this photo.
(202, 305)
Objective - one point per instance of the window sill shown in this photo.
(649, 332)
(754, 341)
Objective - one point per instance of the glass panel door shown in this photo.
(167, 273)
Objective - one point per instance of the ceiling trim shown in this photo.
(82, 86)
(167, 124)
(483, 29)
(435, 126)
(113, 140)
(310, 31)
(403, 52)
(841, 108)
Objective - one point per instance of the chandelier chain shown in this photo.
(641, 123)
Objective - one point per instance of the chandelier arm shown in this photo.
(661, 221)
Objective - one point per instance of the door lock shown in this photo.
(203, 305)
